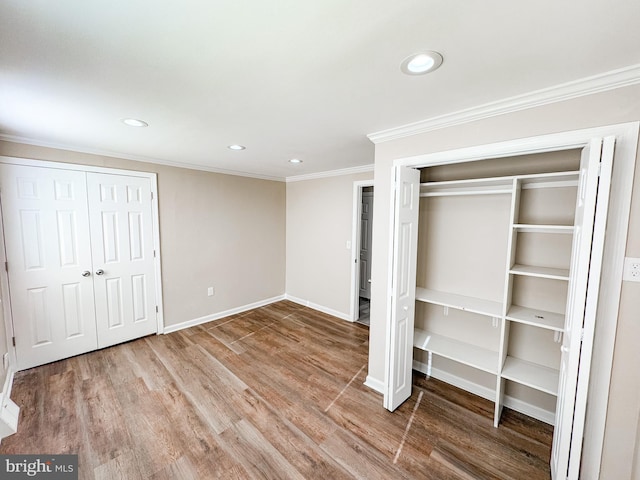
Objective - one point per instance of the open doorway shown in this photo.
(361, 258)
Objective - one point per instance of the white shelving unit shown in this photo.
(505, 364)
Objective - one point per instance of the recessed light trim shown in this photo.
(236, 147)
(295, 161)
(134, 122)
(421, 63)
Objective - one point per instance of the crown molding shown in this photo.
(331, 173)
(602, 82)
(135, 158)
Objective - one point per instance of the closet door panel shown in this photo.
(46, 227)
(400, 328)
(122, 245)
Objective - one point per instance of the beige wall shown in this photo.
(319, 223)
(602, 109)
(216, 230)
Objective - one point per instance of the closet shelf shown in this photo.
(550, 180)
(460, 302)
(541, 272)
(532, 375)
(465, 353)
(476, 186)
(529, 228)
(537, 318)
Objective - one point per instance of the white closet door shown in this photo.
(122, 246)
(46, 228)
(403, 300)
(567, 438)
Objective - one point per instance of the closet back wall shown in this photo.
(221, 231)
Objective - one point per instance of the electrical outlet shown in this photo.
(211, 292)
(631, 269)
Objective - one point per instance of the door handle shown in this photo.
(100, 272)
(86, 273)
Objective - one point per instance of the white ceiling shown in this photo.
(286, 78)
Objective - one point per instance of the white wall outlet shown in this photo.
(211, 292)
(631, 269)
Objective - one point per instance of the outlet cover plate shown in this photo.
(631, 271)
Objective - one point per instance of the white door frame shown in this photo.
(613, 258)
(153, 178)
(6, 300)
(356, 235)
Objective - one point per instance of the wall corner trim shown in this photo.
(331, 173)
(374, 384)
(622, 77)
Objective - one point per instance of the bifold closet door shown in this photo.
(46, 228)
(122, 247)
(403, 300)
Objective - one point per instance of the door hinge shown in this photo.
(154, 254)
(156, 308)
(599, 169)
(151, 195)
(582, 335)
(6, 266)
(13, 340)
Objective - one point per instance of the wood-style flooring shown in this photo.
(276, 392)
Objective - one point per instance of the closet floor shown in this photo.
(276, 392)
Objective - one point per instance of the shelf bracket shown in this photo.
(495, 322)
(557, 337)
(446, 311)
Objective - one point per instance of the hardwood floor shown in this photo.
(275, 393)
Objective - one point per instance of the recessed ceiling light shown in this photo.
(134, 122)
(421, 63)
(295, 160)
(236, 147)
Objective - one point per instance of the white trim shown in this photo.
(626, 135)
(331, 173)
(602, 82)
(157, 264)
(319, 308)
(487, 393)
(615, 246)
(155, 220)
(9, 411)
(356, 235)
(217, 316)
(375, 384)
(6, 299)
(135, 158)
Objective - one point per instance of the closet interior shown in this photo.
(495, 243)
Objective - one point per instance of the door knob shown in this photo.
(86, 273)
(100, 272)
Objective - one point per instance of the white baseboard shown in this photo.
(374, 384)
(9, 411)
(516, 404)
(219, 315)
(320, 308)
